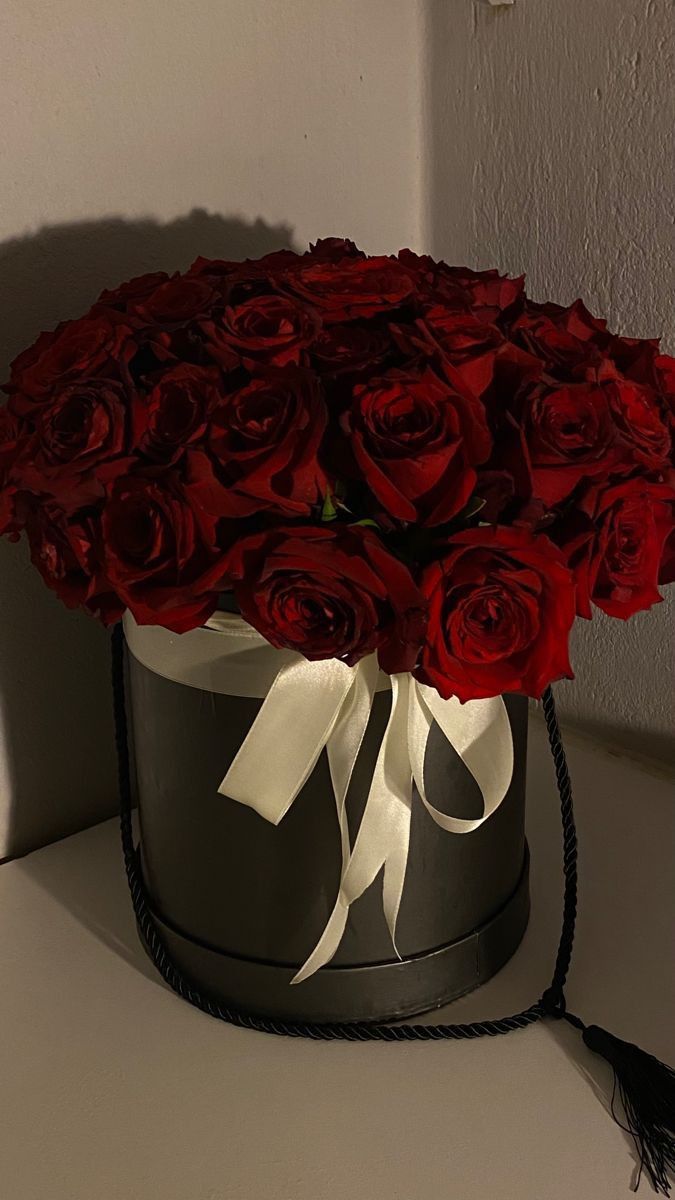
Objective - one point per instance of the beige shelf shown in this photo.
(113, 1089)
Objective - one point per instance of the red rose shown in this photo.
(62, 549)
(333, 249)
(416, 440)
(235, 282)
(10, 442)
(614, 542)
(96, 345)
(329, 592)
(351, 288)
(178, 409)
(469, 344)
(501, 605)
(82, 425)
(271, 329)
(567, 434)
(643, 435)
(434, 282)
(565, 339)
(664, 365)
(263, 442)
(160, 553)
(490, 294)
(177, 300)
(347, 351)
(222, 268)
(131, 292)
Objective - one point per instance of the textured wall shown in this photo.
(277, 123)
(550, 129)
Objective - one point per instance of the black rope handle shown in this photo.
(551, 1003)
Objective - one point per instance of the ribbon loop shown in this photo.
(297, 718)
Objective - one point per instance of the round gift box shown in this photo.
(241, 903)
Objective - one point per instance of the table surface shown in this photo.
(112, 1088)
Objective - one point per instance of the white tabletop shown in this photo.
(111, 1088)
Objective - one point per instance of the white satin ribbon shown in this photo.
(309, 706)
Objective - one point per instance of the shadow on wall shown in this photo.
(57, 771)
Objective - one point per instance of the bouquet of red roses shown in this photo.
(374, 454)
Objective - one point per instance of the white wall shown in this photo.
(280, 122)
(550, 139)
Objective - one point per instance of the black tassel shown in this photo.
(647, 1090)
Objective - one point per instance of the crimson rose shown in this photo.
(64, 551)
(568, 435)
(263, 442)
(159, 552)
(614, 542)
(175, 301)
(177, 410)
(501, 605)
(416, 440)
(351, 351)
(329, 592)
(131, 292)
(274, 329)
(468, 344)
(96, 345)
(351, 288)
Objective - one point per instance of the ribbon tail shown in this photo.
(343, 750)
(479, 731)
(394, 879)
(384, 834)
(327, 944)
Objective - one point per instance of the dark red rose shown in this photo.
(178, 409)
(263, 441)
(350, 288)
(501, 605)
(223, 268)
(348, 351)
(159, 552)
(614, 542)
(177, 300)
(62, 549)
(132, 292)
(434, 282)
(236, 282)
(268, 329)
(416, 441)
(567, 435)
(468, 343)
(643, 436)
(10, 443)
(329, 592)
(567, 340)
(491, 295)
(84, 424)
(27, 359)
(631, 358)
(96, 345)
(665, 378)
(332, 249)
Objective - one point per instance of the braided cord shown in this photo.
(552, 1002)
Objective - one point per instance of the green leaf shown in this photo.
(366, 521)
(329, 511)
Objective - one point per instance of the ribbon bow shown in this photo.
(309, 706)
(312, 705)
